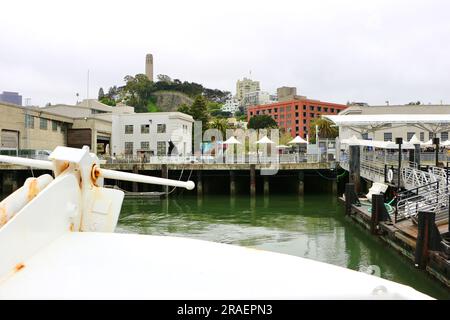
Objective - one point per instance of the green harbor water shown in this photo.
(311, 227)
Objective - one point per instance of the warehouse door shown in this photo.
(9, 141)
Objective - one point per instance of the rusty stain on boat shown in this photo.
(19, 267)
(33, 189)
(95, 173)
(3, 216)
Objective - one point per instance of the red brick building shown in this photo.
(295, 115)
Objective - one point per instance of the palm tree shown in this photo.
(219, 124)
(326, 129)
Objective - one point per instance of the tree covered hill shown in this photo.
(163, 95)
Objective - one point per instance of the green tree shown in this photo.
(220, 124)
(262, 121)
(184, 108)
(199, 111)
(138, 91)
(101, 94)
(326, 129)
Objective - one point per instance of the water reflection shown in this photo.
(312, 227)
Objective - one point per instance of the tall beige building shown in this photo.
(149, 66)
(245, 86)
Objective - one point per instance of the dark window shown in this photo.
(128, 130)
(319, 108)
(332, 110)
(388, 136)
(311, 115)
(161, 128)
(444, 136)
(296, 114)
(275, 110)
(325, 109)
(29, 121)
(422, 136)
(296, 121)
(365, 136)
(311, 108)
(304, 107)
(304, 121)
(304, 114)
(145, 128)
(296, 107)
(409, 135)
(43, 123)
(54, 125)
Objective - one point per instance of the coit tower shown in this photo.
(149, 66)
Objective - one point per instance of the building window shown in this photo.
(325, 109)
(422, 136)
(319, 108)
(388, 136)
(430, 135)
(145, 128)
(311, 115)
(145, 145)
(311, 108)
(275, 110)
(128, 129)
(296, 121)
(409, 135)
(251, 113)
(305, 129)
(296, 114)
(288, 109)
(161, 148)
(54, 125)
(275, 117)
(444, 136)
(281, 116)
(161, 128)
(128, 148)
(304, 121)
(296, 107)
(304, 107)
(304, 114)
(29, 121)
(365, 136)
(332, 110)
(43, 123)
(282, 109)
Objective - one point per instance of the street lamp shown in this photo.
(399, 141)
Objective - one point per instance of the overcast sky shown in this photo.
(335, 51)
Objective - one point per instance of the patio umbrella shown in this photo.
(231, 140)
(414, 140)
(265, 140)
(298, 140)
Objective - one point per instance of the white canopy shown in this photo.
(429, 143)
(414, 140)
(298, 140)
(282, 146)
(231, 140)
(264, 140)
(377, 119)
(353, 141)
(446, 143)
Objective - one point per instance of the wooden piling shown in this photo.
(199, 184)
(354, 167)
(428, 238)
(301, 183)
(378, 212)
(252, 180)
(135, 184)
(232, 183)
(349, 197)
(266, 185)
(165, 175)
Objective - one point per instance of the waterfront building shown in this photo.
(149, 66)
(388, 132)
(91, 123)
(231, 105)
(11, 97)
(296, 115)
(245, 86)
(27, 129)
(148, 134)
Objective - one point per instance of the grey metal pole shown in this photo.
(399, 141)
(436, 143)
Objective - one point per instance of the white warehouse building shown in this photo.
(149, 134)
